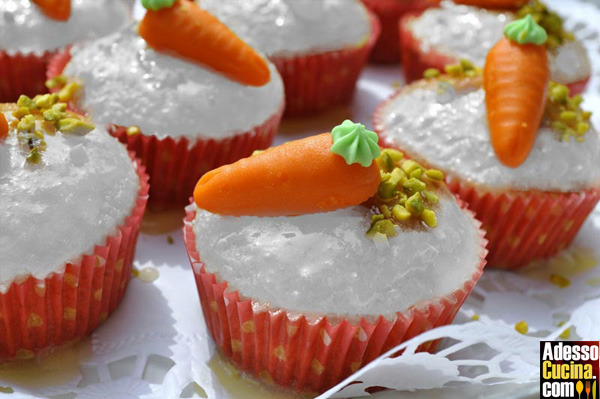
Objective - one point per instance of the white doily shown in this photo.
(156, 344)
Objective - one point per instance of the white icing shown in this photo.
(25, 28)
(52, 213)
(284, 27)
(451, 133)
(323, 263)
(460, 31)
(128, 83)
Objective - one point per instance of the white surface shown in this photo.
(24, 27)
(290, 27)
(450, 131)
(278, 260)
(52, 212)
(460, 31)
(128, 83)
(156, 346)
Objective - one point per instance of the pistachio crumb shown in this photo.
(75, 126)
(522, 327)
(56, 82)
(69, 92)
(135, 130)
(560, 281)
(565, 114)
(431, 73)
(429, 218)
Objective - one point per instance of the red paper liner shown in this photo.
(524, 226)
(175, 164)
(521, 226)
(314, 82)
(389, 13)
(38, 315)
(305, 353)
(23, 74)
(415, 60)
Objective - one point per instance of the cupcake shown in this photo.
(513, 145)
(311, 259)
(445, 35)
(389, 13)
(183, 110)
(319, 47)
(71, 204)
(32, 31)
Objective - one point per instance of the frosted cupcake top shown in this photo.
(360, 231)
(323, 263)
(289, 27)
(58, 206)
(129, 84)
(460, 31)
(448, 128)
(25, 28)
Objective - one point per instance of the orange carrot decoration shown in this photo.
(3, 127)
(299, 177)
(184, 28)
(55, 9)
(515, 79)
(507, 4)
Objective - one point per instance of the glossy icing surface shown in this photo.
(323, 263)
(284, 27)
(25, 28)
(450, 132)
(128, 83)
(461, 31)
(53, 212)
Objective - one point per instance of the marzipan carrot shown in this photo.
(515, 79)
(507, 4)
(298, 177)
(55, 9)
(3, 127)
(191, 32)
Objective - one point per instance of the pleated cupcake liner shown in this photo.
(525, 226)
(175, 164)
(521, 226)
(23, 73)
(40, 315)
(415, 60)
(389, 13)
(308, 353)
(317, 81)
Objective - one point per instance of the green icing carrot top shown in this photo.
(526, 30)
(355, 143)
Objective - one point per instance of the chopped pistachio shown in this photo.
(409, 165)
(58, 81)
(453, 69)
(75, 126)
(34, 156)
(466, 65)
(400, 213)
(385, 211)
(21, 112)
(430, 197)
(415, 204)
(416, 174)
(565, 115)
(434, 174)
(385, 162)
(413, 185)
(53, 115)
(69, 92)
(45, 100)
(376, 218)
(61, 107)
(428, 216)
(26, 124)
(522, 327)
(431, 73)
(384, 226)
(26, 102)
